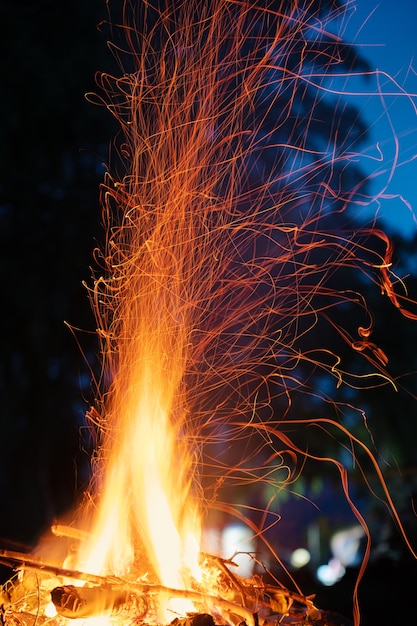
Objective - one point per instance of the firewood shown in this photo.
(74, 602)
(237, 601)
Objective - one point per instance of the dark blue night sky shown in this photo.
(385, 32)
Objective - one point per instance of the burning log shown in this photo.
(75, 602)
(80, 602)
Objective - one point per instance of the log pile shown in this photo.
(41, 593)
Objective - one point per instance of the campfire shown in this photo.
(214, 270)
(51, 595)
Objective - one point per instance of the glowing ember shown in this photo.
(217, 265)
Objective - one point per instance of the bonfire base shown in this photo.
(40, 594)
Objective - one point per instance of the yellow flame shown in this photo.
(146, 498)
(147, 520)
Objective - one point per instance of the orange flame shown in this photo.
(148, 488)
